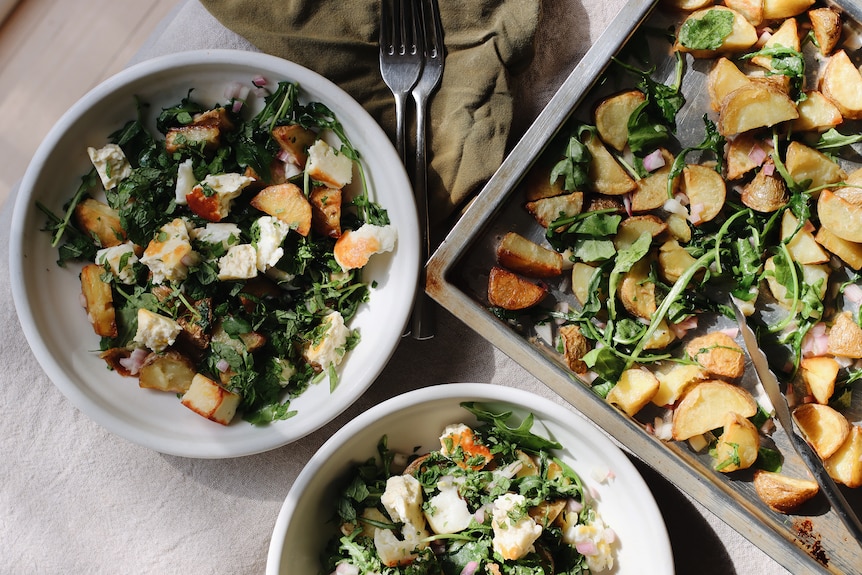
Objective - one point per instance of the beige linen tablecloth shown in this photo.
(77, 499)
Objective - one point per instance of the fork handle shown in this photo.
(401, 126)
(422, 319)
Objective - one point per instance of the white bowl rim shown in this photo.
(465, 392)
(408, 239)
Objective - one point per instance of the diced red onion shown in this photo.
(586, 548)
(764, 36)
(683, 327)
(222, 365)
(135, 361)
(232, 90)
(470, 568)
(730, 331)
(259, 81)
(574, 506)
(346, 569)
(609, 535)
(853, 293)
(627, 203)
(757, 155)
(237, 106)
(696, 212)
(768, 169)
(654, 161)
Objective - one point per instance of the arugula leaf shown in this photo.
(574, 167)
(625, 260)
(707, 32)
(832, 139)
(785, 61)
(712, 142)
(521, 435)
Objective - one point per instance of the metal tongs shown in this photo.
(782, 412)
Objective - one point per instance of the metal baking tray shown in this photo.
(457, 279)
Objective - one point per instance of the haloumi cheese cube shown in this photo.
(156, 331)
(207, 398)
(330, 347)
(355, 247)
(211, 199)
(121, 260)
(111, 164)
(514, 530)
(239, 263)
(272, 232)
(447, 512)
(328, 166)
(185, 182)
(170, 253)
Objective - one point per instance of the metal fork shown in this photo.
(432, 72)
(401, 58)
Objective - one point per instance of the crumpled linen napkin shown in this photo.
(470, 116)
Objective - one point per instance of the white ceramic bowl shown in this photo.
(47, 296)
(415, 419)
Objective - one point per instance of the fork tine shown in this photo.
(433, 29)
(386, 34)
(410, 33)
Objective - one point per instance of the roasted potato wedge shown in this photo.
(606, 174)
(706, 191)
(582, 274)
(811, 273)
(845, 337)
(787, 36)
(326, 211)
(637, 292)
(612, 117)
(686, 5)
(518, 254)
(842, 84)
(547, 210)
(538, 184)
(512, 292)
(741, 37)
(845, 465)
(849, 252)
(817, 113)
(634, 389)
(168, 371)
(779, 9)
(808, 164)
(205, 137)
(651, 191)
(782, 493)
(801, 244)
(839, 216)
(718, 354)
(705, 406)
(754, 105)
(739, 153)
(752, 10)
(826, 24)
(737, 445)
(724, 77)
(819, 374)
(98, 301)
(674, 382)
(824, 427)
(673, 260)
(630, 229)
(294, 140)
(766, 192)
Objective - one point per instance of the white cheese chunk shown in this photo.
(514, 530)
(156, 331)
(328, 166)
(208, 399)
(111, 164)
(226, 187)
(169, 254)
(218, 233)
(355, 247)
(593, 540)
(402, 500)
(271, 236)
(121, 260)
(329, 350)
(239, 263)
(447, 512)
(185, 181)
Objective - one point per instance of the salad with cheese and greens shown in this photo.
(223, 252)
(493, 499)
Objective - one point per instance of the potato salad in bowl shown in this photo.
(242, 239)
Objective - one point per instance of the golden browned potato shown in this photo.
(724, 77)
(512, 292)
(287, 203)
(637, 292)
(651, 192)
(612, 117)
(766, 192)
(816, 113)
(840, 216)
(575, 347)
(779, 9)
(849, 252)
(787, 36)
(819, 373)
(806, 163)
(674, 382)
(208, 399)
(662, 337)
(686, 5)
(547, 210)
(754, 105)
(706, 191)
(782, 493)
(678, 227)
(845, 337)
(101, 222)
(751, 9)
(518, 254)
(845, 465)
(326, 211)
(826, 24)
(812, 274)
(852, 191)
(168, 371)
(295, 141)
(741, 37)
(582, 274)
(801, 244)
(718, 354)
(634, 389)
(98, 301)
(606, 174)
(842, 84)
(538, 184)
(673, 260)
(824, 427)
(705, 406)
(739, 154)
(214, 117)
(737, 445)
(205, 136)
(630, 229)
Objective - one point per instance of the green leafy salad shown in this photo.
(492, 500)
(223, 252)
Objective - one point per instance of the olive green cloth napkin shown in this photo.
(469, 117)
